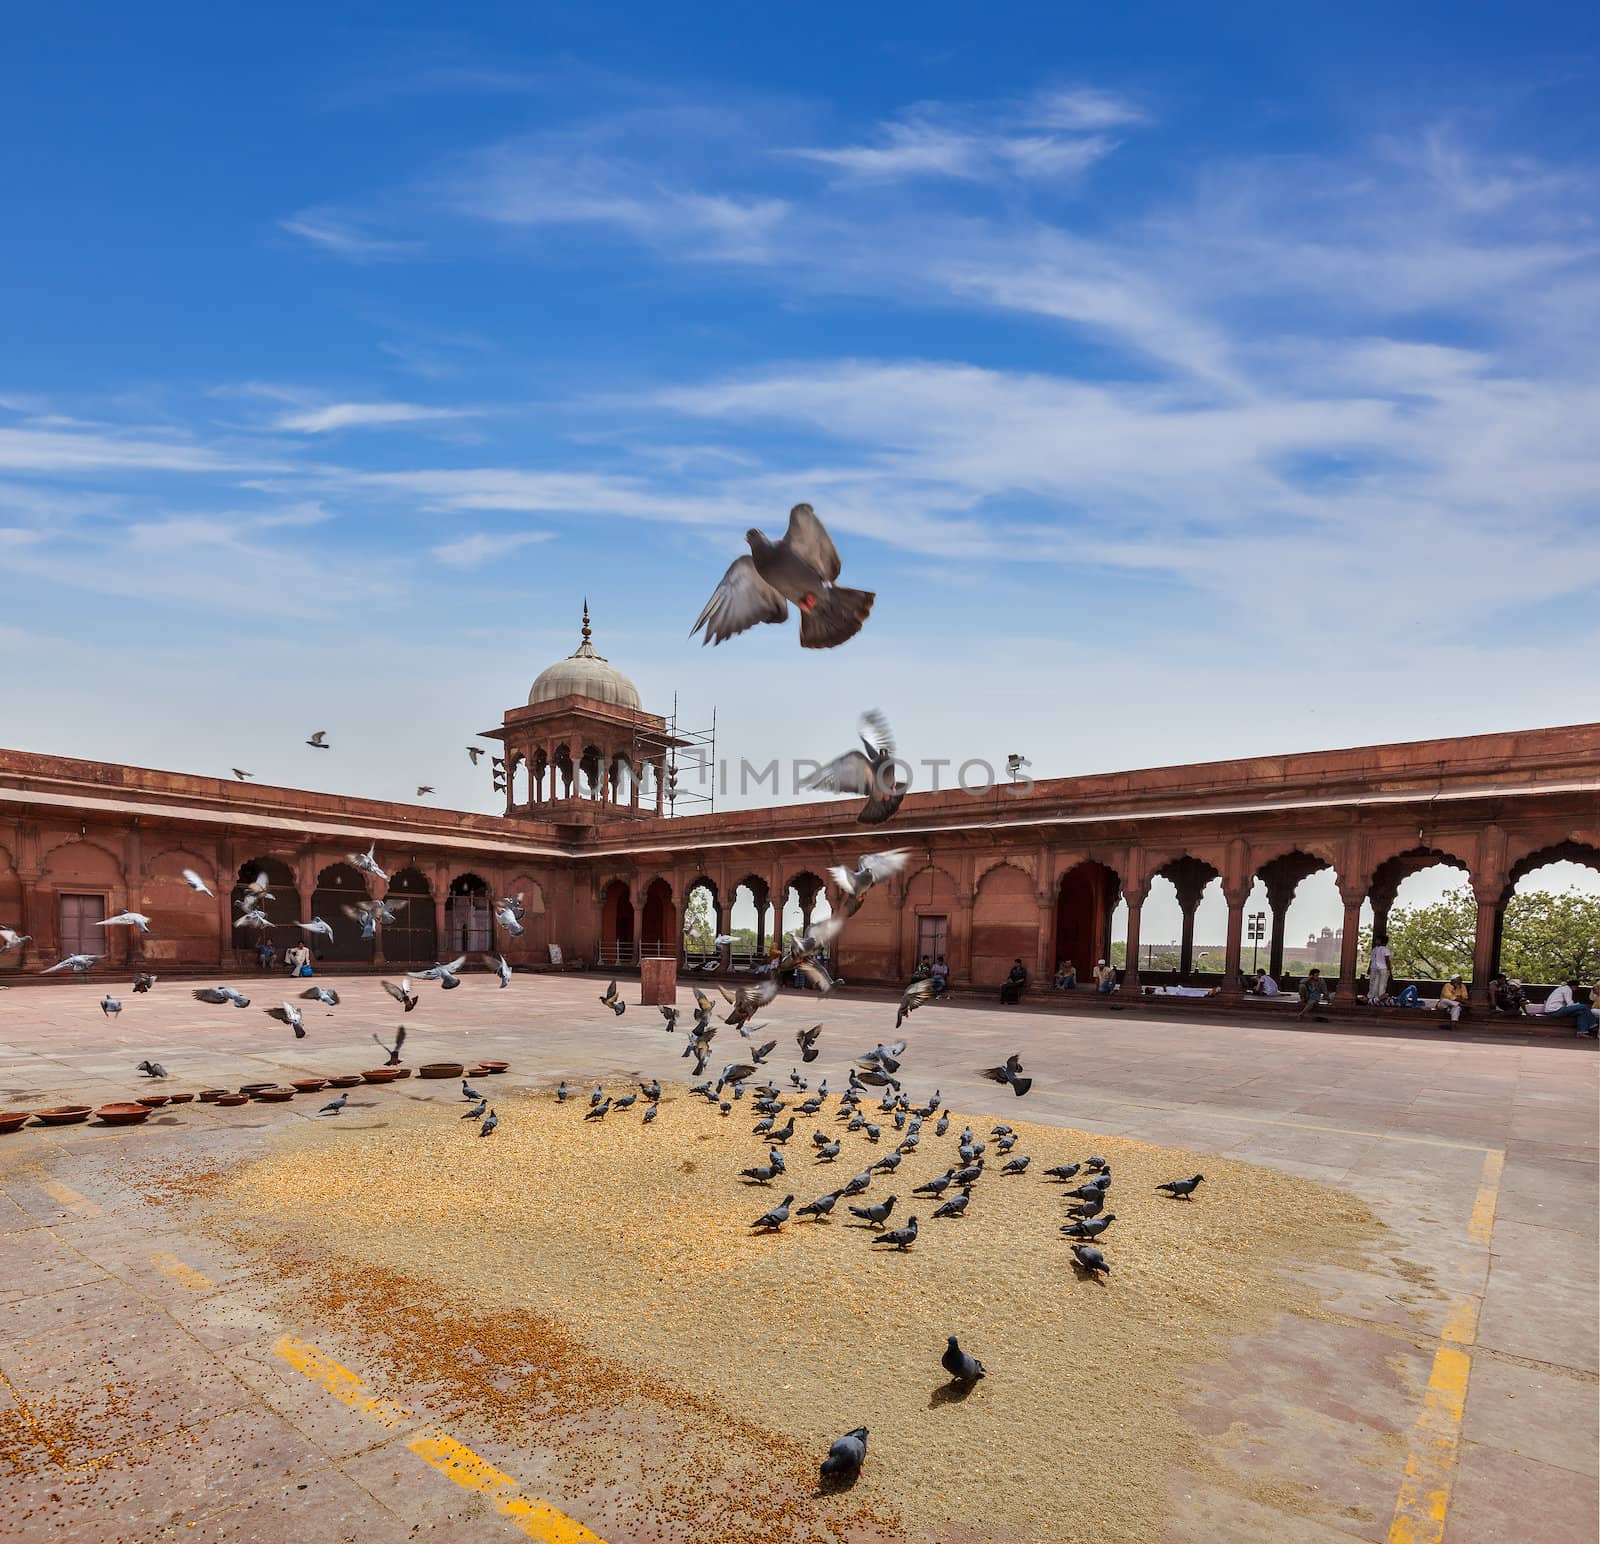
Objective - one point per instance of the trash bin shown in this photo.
(658, 982)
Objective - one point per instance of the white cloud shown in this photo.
(366, 415)
(336, 234)
(475, 550)
(1082, 108)
(50, 450)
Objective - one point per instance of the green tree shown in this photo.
(699, 923)
(1435, 942)
(1551, 937)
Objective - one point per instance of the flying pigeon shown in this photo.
(110, 1005)
(393, 1052)
(670, 1014)
(869, 774)
(846, 1456)
(367, 862)
(401, 993)
(1086, 1228)
(445, 975)
(961, 1367)
(802, 568)
(899, 1238)
(151, 1069)
(142, 982)
(334, 1105)
(11, 939)
(490, 1124)
(221, 994)
(321, 994)
(775, 1219)
(1181, 1187)
(914, 996)
(609, 996)
(873, 868)
(507, 919)
(474, 751)
(76, 963)
(319, 741)
(316, 925)
(290, 1015)
(424, 789)
(1089, 1260)
(878, 1214)
(503, 971)
(127, 919)
(195, 882)
(956, 1206)
(1010, 1073)
(806, 1039)
(241, 774)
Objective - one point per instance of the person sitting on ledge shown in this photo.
(1509, 996)
(1453, 999)
(1314, 993)
(940, 975)
(1066, 977)
(1563, 1003)
(1264, 985)
(1105, 977)
(1011, 991)
(924, 969)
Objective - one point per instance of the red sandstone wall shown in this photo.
(1005, 925)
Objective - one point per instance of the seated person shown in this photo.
(1066, 977)
(1011, 991)
(1563, 1003)
(1511, 997)
(1264, 985)
(1105, 977)
(1314, 992)
(923, 971)
(940, 973)
(1453, 998)
(1407, 997)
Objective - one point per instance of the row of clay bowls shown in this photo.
(132, 1112)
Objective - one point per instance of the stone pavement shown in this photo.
(1447, 1392)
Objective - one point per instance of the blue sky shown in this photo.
(1188, 381)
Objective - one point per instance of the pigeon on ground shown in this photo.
(598, 1112)
(561, 1092)
(76, 963)
(1004, 1145)
(1181, 1187)
(151, 1069)
(1089, 1260)
(195, 882)
(1010, 1073)
(11, 939)
(796, 1082)
(806, 1039)
(392, 1052)
(1092, 1206)
(888, 1163)
(935, 1187)
(800, 567)
(321, 994)
(877, 1215)
(290, 1015)
(869, 774)
(596, 1094)
(127, 919)
(1017, 1165)
(858, 1184)
(1094, 1164)
(402, 994)
(319, 741)
(970, 1175)
(220, 994)
(961, 1367)
(1000, 1130)
(1086, 1228)
(955, 1206)
(503, 971)
(489, 1125)
(110, 1005)
(783, 1133)
(821, 1206)
(445, 975)
(828, 1152)
(775, 1219)
(650, 1114)
(846, 1456)
(334, 1105)
(477, 1111)
(900, 1238)
(943, 1126)
(762, 1173)
(651, 1090)
(142, 982)
(469, 1092)
(625, 1102)
(914, 997)
(367, 862)
(1092, 1191)
(1062, 1171)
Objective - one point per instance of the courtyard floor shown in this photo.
(159, 1380)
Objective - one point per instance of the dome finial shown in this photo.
(585, 618)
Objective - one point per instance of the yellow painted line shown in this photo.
(66, 1196)
(534, 1519)
(184, 1275)
(1423, 1504)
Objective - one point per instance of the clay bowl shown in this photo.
(122, 1114)
(494, 1066)
(308, 1085)
(211, 1095)
(345, 1080)
(153, 1101)
(231, 1101)
(380, 1075)
(441, 1070)
(271, 1095)
(14, 1120)
(180, 1098)
(64, 1114)
(254, 1088)
(401, 1072)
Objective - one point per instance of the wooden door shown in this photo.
(933, 935)
(79, 914)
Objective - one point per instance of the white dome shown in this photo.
(584, 674)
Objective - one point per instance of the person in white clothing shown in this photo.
(1379, 973)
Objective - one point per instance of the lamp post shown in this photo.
(1257, 933)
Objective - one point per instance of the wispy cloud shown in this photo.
(366, 415)
(335, 233)
(468, 552)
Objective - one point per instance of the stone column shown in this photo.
(724, 913)
(1236, 900)
(1130, 971)
(1486, 941)
(659, 775)
(1350, 945)
(1278, 898)
(1045, 942)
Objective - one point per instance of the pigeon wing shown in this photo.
(876, 734)
(850, 773)
(741, 601)
(807, 537)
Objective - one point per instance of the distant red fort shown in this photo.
(604, 872)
